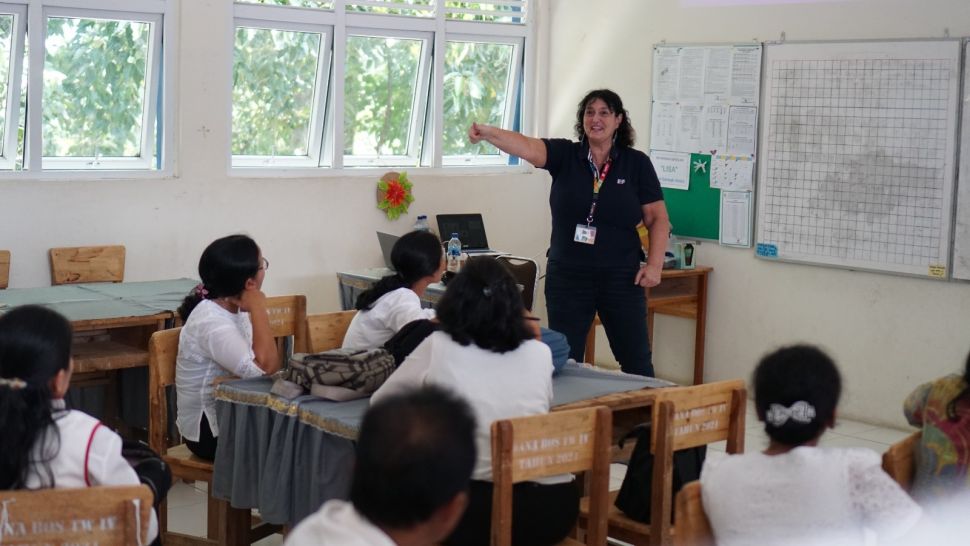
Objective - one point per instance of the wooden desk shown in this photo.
(112, 323)
(681, 293)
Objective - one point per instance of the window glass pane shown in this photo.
(412, 8)
(379, 94)
(492, 12)
(321, 4)
(476, 87)
(6, 38)
(274, 79)
(94, 87)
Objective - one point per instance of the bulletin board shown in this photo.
(705, 108)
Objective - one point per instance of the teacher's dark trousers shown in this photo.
(574, 294)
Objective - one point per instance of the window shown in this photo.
(282, 71)
(384, 95)
(385, 83)
(95, 74)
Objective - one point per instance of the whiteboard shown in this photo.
(858, 154)
(961, 241)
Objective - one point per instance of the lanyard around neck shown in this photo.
(598, 179)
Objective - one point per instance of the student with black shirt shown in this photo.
(601, 189)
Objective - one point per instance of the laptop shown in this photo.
(470, 229)
(387, 244)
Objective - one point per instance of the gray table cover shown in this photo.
(288, 457)
(91, 301)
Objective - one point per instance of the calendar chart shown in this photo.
(858, 155)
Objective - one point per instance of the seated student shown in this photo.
(795, 492)
(486, 353)
(226, 333)
(415, 454)
(396, 299)
(45, 444)
(942, 409)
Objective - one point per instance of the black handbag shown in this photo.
(633, 498)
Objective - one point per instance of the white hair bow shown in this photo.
(801, 412)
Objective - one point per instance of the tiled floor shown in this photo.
(187, 504)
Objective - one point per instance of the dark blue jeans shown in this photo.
(574, 294)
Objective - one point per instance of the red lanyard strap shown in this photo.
(598, 179)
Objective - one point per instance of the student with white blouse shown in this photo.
(486, 353)
(226, 333)
(44, 444)
(395, 300)
(795, 492)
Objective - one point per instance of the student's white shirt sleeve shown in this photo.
(106, 466)
(410, 374)
(407, 308)
(881, 503)
(230, 348)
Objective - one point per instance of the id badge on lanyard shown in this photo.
(586, 233)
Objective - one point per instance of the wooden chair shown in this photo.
(71, 265)
(107, 516)
(683, 417)
(526, 273)
(580, 441)
(95, 357)
(326, 331)
(899, 461)
(691, 526)
(4, 268)
(287, 317)
(226, 525)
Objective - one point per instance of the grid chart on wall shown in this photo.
(858, 154)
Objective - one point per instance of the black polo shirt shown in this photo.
(631, 183)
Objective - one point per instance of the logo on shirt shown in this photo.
(621, 181)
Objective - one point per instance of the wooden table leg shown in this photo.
(700, 327)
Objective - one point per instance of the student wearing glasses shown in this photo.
(226, 333)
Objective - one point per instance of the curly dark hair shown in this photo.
(483, 305)
(793, 374)
(625, 135)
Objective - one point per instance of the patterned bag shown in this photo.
(338, 374)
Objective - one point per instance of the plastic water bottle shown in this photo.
(421, 224)
(454, 254)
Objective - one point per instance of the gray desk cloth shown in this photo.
(288, 457)
(92, 301)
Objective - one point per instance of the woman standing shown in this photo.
(601, 189)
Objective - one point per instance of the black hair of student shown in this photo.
(483, 305)
(35, 344)
(792, 374)
(415, 255)
(951, 407)
(415, 452)
(625, 136)
(225, 266)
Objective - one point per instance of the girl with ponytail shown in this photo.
(44, 443)
(395, 300)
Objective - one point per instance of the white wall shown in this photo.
(886, 332)
(309, 228)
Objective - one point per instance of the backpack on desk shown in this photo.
(338, 374)
(633, 498)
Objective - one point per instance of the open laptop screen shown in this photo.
(469, 227)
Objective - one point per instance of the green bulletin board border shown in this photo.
(695, 212)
